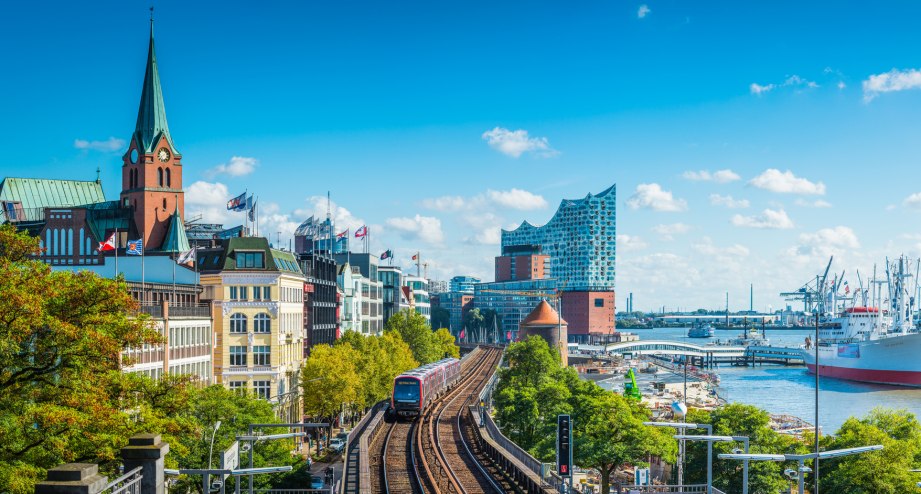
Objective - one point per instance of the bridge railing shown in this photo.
(669, 489)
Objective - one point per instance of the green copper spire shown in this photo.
(152, 113)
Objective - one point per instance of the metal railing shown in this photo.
(129, 483)
(669, 489)
(325, 490)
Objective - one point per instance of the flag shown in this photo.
(135, 247)
(342, 235)
(109, 244)
(361, 232)
(252, 209)
(386, 255)
(237, 203)
(462, 334)
(508, 335)
(847, 289)
(187, 256)
(416, 256)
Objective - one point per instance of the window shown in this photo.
(168, 177)
(263, 389)
(262, 323)
(262, 354)
(238, 355)
(251, 260)
(238, 386)
(233, 293)
(599, 302)
(160, 177)
(266, 293)
(238, 323)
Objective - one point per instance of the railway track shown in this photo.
(431, 454)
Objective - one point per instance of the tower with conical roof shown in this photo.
(152, 170)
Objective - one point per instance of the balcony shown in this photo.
(199, 311)
(256, 369)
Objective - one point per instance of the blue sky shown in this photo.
(438, 123)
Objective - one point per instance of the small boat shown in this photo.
(701, 331)
(750, 338)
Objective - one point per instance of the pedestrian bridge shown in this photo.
(664, 347)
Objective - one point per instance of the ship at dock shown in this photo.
(868, 335)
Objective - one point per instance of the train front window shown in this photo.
(407, 390)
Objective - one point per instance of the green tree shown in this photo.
(737, 419)
(415, 331)
(380, 360)
(441, 317)
(330, 381)
(444, 343)
(236, 410)
(883, 472)
(473, 320)
(608, 433)
(62, 393)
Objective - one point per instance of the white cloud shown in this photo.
(486, 236)
(786, 183)
(109, 145)
(707, 248)
(651, 196)
(794, 81)
(444, 203)
(516, 199)
(630, 243)
(913, 201)
(841, 85)
(667, 232)
(894, 80)
(728, 201)
(342, 218)
(238, 166)
(514, 143)
(424, 228)
(719, 176)
(839, 236)
(643, 11)
(208, 200)
(758, 89)
(768, 219)
(812, 204)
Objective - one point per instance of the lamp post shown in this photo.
(217, 425)
(799, 474)
(252, 438)
(713, 439)
(682, 426)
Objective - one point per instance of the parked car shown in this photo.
(337, 445)
(343, 435)
(316, 482)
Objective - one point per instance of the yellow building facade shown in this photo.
(257, 299)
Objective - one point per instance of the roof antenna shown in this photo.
(151, 12)
(327, 205)
(97, 175)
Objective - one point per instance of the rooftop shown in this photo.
(543, 315)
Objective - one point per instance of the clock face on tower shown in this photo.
(163, 155)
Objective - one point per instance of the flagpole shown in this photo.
(143, 285)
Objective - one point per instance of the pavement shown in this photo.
(318, 469)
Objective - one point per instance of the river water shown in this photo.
(791, 390)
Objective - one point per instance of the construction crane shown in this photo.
(812, 294)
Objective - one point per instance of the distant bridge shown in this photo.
(665, 347)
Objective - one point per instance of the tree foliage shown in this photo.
(608, 430)
(441, 317)
(63, 397)
(330, 380)
(380, 360)
(737, 419)
(426, 347)
(883, 472)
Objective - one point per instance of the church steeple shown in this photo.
(151, 123)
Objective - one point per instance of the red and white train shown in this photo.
(414, 390)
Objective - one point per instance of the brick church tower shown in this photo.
(152, 171)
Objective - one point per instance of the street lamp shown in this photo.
(217, 425)
(681, 426)
(800, 472)
(714, 439)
